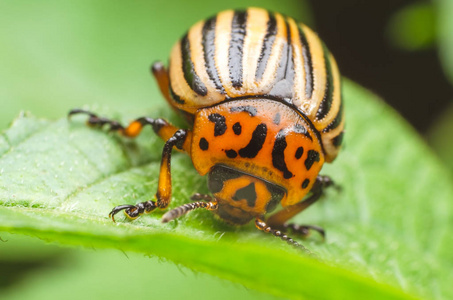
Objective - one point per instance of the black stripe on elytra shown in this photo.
(336, 141)
(203, 144)
(312, 156)
(237, 128)
(247, 108)
(248, 193)
(299, 152)
(188, 68)
(308, 64)
(235, 52)
(326, 103)
(266, 49)
(305, 183)
(289, 72)
(220, 126)
(278, 154)
(256, 143)
(299, 128)
(334, 124)
(208, 43)
(174, 96)
(285, 69)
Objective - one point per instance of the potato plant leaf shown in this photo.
(387, 228)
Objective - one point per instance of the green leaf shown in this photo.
(413, 27)
(385, 232)
(53, 272)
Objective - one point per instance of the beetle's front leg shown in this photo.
(163, 195)
(160, 126)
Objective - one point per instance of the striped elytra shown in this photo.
(258, 53)
(254, 53)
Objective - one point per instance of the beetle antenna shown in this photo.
(184, 209)
(261, 225)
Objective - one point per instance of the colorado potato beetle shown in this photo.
(263, 96)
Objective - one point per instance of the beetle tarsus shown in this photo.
(133, 211)
(119, 208)
(95, 120)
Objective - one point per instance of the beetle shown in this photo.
(263, 96)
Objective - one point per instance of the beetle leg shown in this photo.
(279, 219)
(160, 126)
(161, 74)
(163, 194)
(174, 137)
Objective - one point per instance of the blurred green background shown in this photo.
(57, 55)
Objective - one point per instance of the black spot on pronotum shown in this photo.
(312, 156)
(299, 152)
(248, 193)
(305, 183)
(251, 110)
(231, 153)
(278, 154)
(220, 126)
(256, 142)
(237, 128)
(204, 144)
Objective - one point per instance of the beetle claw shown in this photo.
(119, 208)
